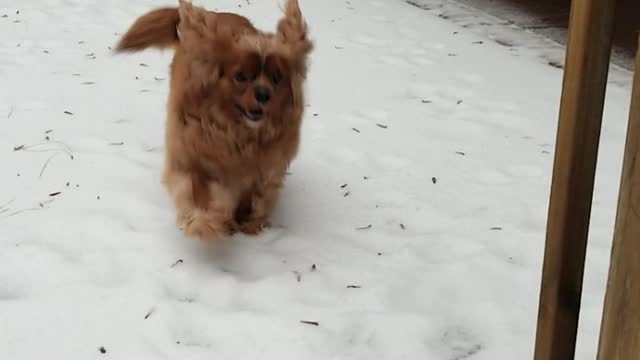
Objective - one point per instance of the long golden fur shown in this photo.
(235, 108)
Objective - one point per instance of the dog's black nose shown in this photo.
(262, 94)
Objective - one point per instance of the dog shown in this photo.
(234, 113)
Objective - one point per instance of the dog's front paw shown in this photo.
(254, 226)
(184, 216)
(207, 226)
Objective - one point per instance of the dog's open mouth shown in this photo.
(253, 115)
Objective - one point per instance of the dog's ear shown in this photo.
(201, 32)
(155, 29)
(292, 29)
(193, 20)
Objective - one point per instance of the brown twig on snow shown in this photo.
(19, 212)
(4, 208)
(148, 314)
(34, 148)
(179, 261)
(314, 323)
(46, 163)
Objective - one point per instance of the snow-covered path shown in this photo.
(412, 225)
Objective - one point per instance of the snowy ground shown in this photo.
(498, 19)
(412, 226)
(507, 22)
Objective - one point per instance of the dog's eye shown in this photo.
(241, 77)
(276, 77)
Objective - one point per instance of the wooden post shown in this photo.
(585, 76)
(620, 332)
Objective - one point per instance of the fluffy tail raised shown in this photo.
(155, 29)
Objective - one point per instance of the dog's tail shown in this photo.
(155, 29)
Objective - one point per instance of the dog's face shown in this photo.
(259, 86)
(253, 87)
(254, 78)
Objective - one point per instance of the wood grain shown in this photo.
(620, 332)
(587, 65)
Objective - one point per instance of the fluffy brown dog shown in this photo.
(234, 112)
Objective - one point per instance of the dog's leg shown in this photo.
(215, 220)
(204, 209)
(179, 186)
(263, 200)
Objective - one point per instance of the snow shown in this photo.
(432, 250)
(506, 22)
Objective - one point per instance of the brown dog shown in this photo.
(234, 112)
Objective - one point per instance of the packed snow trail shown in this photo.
(411, 226)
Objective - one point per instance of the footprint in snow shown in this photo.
(461, 344)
